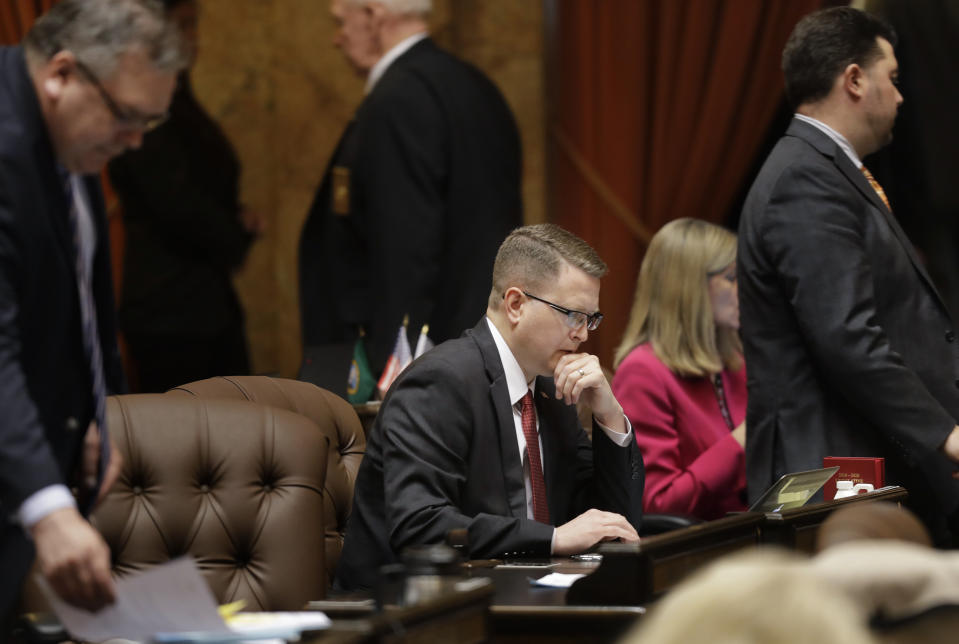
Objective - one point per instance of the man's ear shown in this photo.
(513, 301)
(55, 73)
(854, 81)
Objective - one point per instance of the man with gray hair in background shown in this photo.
(422, 188)
(88, 80)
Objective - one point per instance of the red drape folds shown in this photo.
(16, 17)
(658, 109)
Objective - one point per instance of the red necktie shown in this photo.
(875, 186)
(537, 482)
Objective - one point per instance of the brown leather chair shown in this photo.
(334, 417)
(236, 485)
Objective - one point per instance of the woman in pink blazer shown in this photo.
(680, 375)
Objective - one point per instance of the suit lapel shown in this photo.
(54, 205)
(844, 164)
(859, 180)
(550, 437)
(58, 212)
(514, 485)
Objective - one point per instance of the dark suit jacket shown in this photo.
(433, 162)
(184, 237)
(851, 351)
(442, 454)
(45, 383)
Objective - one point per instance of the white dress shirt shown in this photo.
(397, 50)
(834, 135)
(517, 386)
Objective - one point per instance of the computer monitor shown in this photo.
(793, 490)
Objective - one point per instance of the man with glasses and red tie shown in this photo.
(481, 433)
(89, 79)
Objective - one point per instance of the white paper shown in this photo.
(297, 621)
(557, 580)
(168, 598)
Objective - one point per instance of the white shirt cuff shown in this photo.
(620, 439)
(44, 502)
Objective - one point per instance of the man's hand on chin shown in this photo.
(74, 559)
(579, 375)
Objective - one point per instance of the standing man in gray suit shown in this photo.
(850, 348)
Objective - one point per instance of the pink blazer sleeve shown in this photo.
(691, 470)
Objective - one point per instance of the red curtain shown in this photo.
(658, 108)
(17, 16)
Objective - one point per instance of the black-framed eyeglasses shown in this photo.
(574, 319)
(126, 118)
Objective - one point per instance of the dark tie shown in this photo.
(91, 336)
(875, 186)
(537, 482)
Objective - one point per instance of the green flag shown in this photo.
(361, 383)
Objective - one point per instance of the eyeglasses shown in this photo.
(126, 118)
(574, 319)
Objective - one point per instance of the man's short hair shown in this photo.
(99, 32)
(823, 44)
(402, 7)
(531, 257)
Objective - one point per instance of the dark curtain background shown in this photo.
(16, 17)
(920, 168)
(658, 111)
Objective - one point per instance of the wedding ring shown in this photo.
(581, 372)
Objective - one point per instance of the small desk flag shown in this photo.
(360, 383)
(423, 343)
(399, 359)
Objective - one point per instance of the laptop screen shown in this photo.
(793, 490)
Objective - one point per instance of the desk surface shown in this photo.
(604, 605)
(522, 612)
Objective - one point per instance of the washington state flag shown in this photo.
(360, 383)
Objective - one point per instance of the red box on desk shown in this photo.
(858, 469)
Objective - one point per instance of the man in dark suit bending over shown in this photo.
(422, 188)
(481, 433)
(851, 350)
(91, 77)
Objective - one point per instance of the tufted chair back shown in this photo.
(334, 417)
(237, 485)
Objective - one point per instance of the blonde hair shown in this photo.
(755, 597)
(671, 308)
(531, 257)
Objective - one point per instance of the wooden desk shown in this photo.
(603, 605)
(634, 574)
(517, 612)
(797, 529)
(521, 612)
(459, 614)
